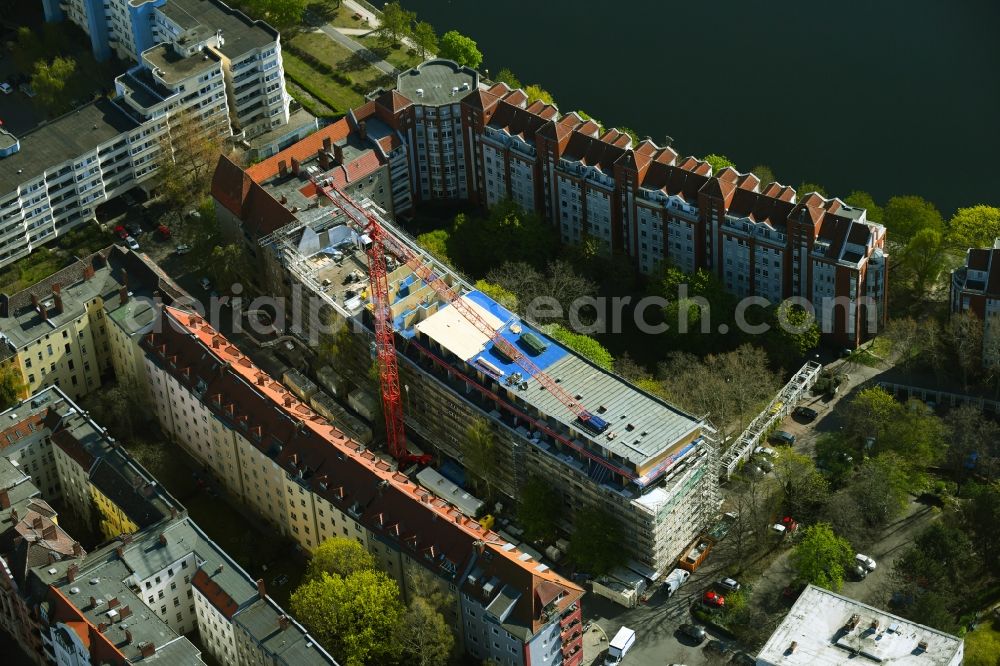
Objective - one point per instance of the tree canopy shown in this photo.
(49, 79)
(978, 226)
(718, 162)
(596, 543)
(339, 556)
(806, 187)
(504, 297)
(357, 618)
(436, 242)
(584, 345)
(396, 23)
(536, 93)
(924, 258)
(280, 13)
(425, 38)
(12, 385)
(861, 199)
(904, 216)
(766, 175)
(463, 50)
(424, 635)
(539, 509)
(479, 453)
(822, 557)
(505, 75)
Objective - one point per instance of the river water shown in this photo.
(889, 96)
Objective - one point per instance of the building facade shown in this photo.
(975, 289)
(473, 142)
(311, 482)
(154, 579)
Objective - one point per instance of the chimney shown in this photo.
(52, 558)
(260, 379)
(124, 277)
(219, 569)
(283, 622)
(147, 650)
(88, 272)
(324, 160)
(125, 612)
(13, 512)
(57, 297)
(338, 153)
(102, 627)
(363, 130)
(283, 199)
(77, 550)
(39, 306)
(122, 295)
(113, 602)
(4, 500)
(261, 590)
(326, 144)
(72, 572)
(93, 603)
(283, 168)
(128, 637)
(49, 533)
(288, 401)
(163, 539)
(295, 166)
(173, 512)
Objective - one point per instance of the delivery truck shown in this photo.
(619, 646)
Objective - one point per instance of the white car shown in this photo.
(132, 243)
(5, 88)
(765, 451)
(865, 561)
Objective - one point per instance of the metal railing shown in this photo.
(941, 397)
(779, 407)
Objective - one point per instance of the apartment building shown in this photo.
(303, 475)
(975, 288)
(192, 58)
(155, 578)
(660, 486)
(482, 143)
(826, 628)
(84, 322)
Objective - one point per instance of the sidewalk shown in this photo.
(354, 47)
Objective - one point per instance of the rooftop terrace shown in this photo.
(203, 17)
(437, 82)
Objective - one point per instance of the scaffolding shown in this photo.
(779, 407)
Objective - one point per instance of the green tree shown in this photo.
(906, 215)
(584, 345)
(508, 77)
(765, 174)
(463, 50)
(822, 557)
(538, 511)
(982, 515)
(631, 133)
(804, 489)
(436, 242)
(806, 187)
(971, 435)
(12, 385)
(357, 618)
(861, 199)
(504, 297)
(49, 80)
(924, 257)
(228, 266)
(870, 413)
(396, 23)
(793, 333)
(425, 38)
(339, 556)
(881, 489)
(507, 232)
(188, 155)
(280, 13)
(978, 226)
(536, 93)
(596, 543)
(479, 453)
(718, 162)
(424, 635)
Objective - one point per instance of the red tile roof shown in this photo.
(332, 465)
(302, 150)
(239, 194)
(22, 428)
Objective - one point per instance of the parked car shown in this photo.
(859, 572)
(712, 598)
(6, 88)
(164, 231)
(765, 451)
(764, 464)
(730, 584)
(182, 249)
(694, 631)
(205, 283)
(805, 413)
(719, 647)
(132, 243)
(782, 437)
(134, 228)
(786, 525)
(865, 561)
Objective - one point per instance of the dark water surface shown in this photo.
(890, 96)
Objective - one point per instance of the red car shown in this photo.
(164, 231)
(713, 599)
(789, 523)
(121, 232)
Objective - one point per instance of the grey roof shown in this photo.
(65, 138)
(437, 79)
(291, 646)
(10, 475)
(180, 652)
(174, 67)
(241, 33)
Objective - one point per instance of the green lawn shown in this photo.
(982, 646)
(336, 94)
(398, 56)
(342, 17)
(45, 261)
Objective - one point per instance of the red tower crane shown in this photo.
(377, 242)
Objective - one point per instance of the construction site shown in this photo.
(448, 355)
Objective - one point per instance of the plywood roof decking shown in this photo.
(452, 331)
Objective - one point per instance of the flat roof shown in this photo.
(438, 80)
(239, 32)
(819, 624)
(430, 479)
(67, 137)
(174, 67)
(449, 328)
